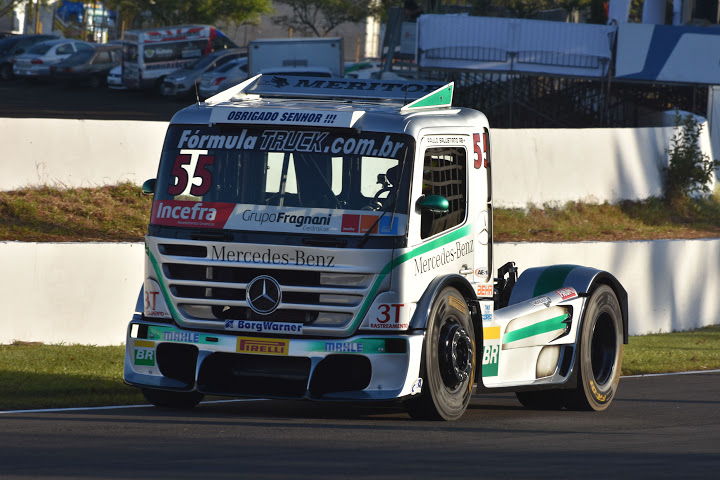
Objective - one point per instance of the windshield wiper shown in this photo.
(385, 210)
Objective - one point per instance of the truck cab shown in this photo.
(331, 239)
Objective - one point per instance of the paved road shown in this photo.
(45, 99)
(658, 427)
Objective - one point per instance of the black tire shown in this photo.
(600, 356)
(170, 399)
(447, 366)
(542, 400)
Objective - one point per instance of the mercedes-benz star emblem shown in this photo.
(263, 295)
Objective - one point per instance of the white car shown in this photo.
(115, 80)
(232, 73)
(37, 61)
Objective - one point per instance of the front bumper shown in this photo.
(363, 367)
(170, 89)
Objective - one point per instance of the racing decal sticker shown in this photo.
(544, 300)
(567, 293)
(390, 316)
(313, 220)
(491, 351)
(264, 327)
(144, 353)
(262, 346)
(284, 117)
(490, 360)
(365, 346)
(178, 213)
(416, 386)
(485, 290)
(487, 311)
(154, 301)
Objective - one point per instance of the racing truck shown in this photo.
(332, 239)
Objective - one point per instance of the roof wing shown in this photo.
(412, 94)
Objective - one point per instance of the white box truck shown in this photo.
(296, 56)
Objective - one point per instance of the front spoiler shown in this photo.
(393, 359)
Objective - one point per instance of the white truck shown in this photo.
(296, 56)
(331, 239)
(149, 55)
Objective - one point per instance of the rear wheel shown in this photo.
(447, 367)
(600, 356)
(171, 399)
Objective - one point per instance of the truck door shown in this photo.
(482, 203)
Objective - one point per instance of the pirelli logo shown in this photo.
(262, 346)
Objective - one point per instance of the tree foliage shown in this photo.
(320, 17)
(8, 6)
(690, 170)
(140, 13)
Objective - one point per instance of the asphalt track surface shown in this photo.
(657, 427)
(20, 98)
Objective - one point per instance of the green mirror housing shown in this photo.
(433, 203)
(148, 188)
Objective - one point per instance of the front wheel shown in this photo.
(171, 399)
(600, 356)
(447, 367)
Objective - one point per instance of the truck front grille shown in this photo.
(207, 292)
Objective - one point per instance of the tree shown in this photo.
(172, 12)
(690, 170)
(8, 6)
(320, 17)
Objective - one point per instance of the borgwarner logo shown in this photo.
(263, 295)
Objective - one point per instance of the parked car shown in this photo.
(181, 81)
(10, 47)
(232, 73)
(88, 67)
(37, 61)
(114, 78)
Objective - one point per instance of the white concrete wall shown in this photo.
(78, 153)
(86, 293)
(530, 166)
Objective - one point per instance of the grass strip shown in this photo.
(34, 375)
(120, 213)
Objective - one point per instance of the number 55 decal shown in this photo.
(198, 162)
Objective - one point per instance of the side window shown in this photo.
(444, 174)
(102, 57)
(64, 49)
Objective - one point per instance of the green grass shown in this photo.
(47, 376)
(107, 214)
(36, 376)
(120, 213)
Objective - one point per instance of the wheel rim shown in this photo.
(455, 355)
(603, 349)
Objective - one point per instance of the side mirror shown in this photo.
(433, 203)
(148, 188)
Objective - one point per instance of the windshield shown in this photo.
(302, 180)
(40, 49)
